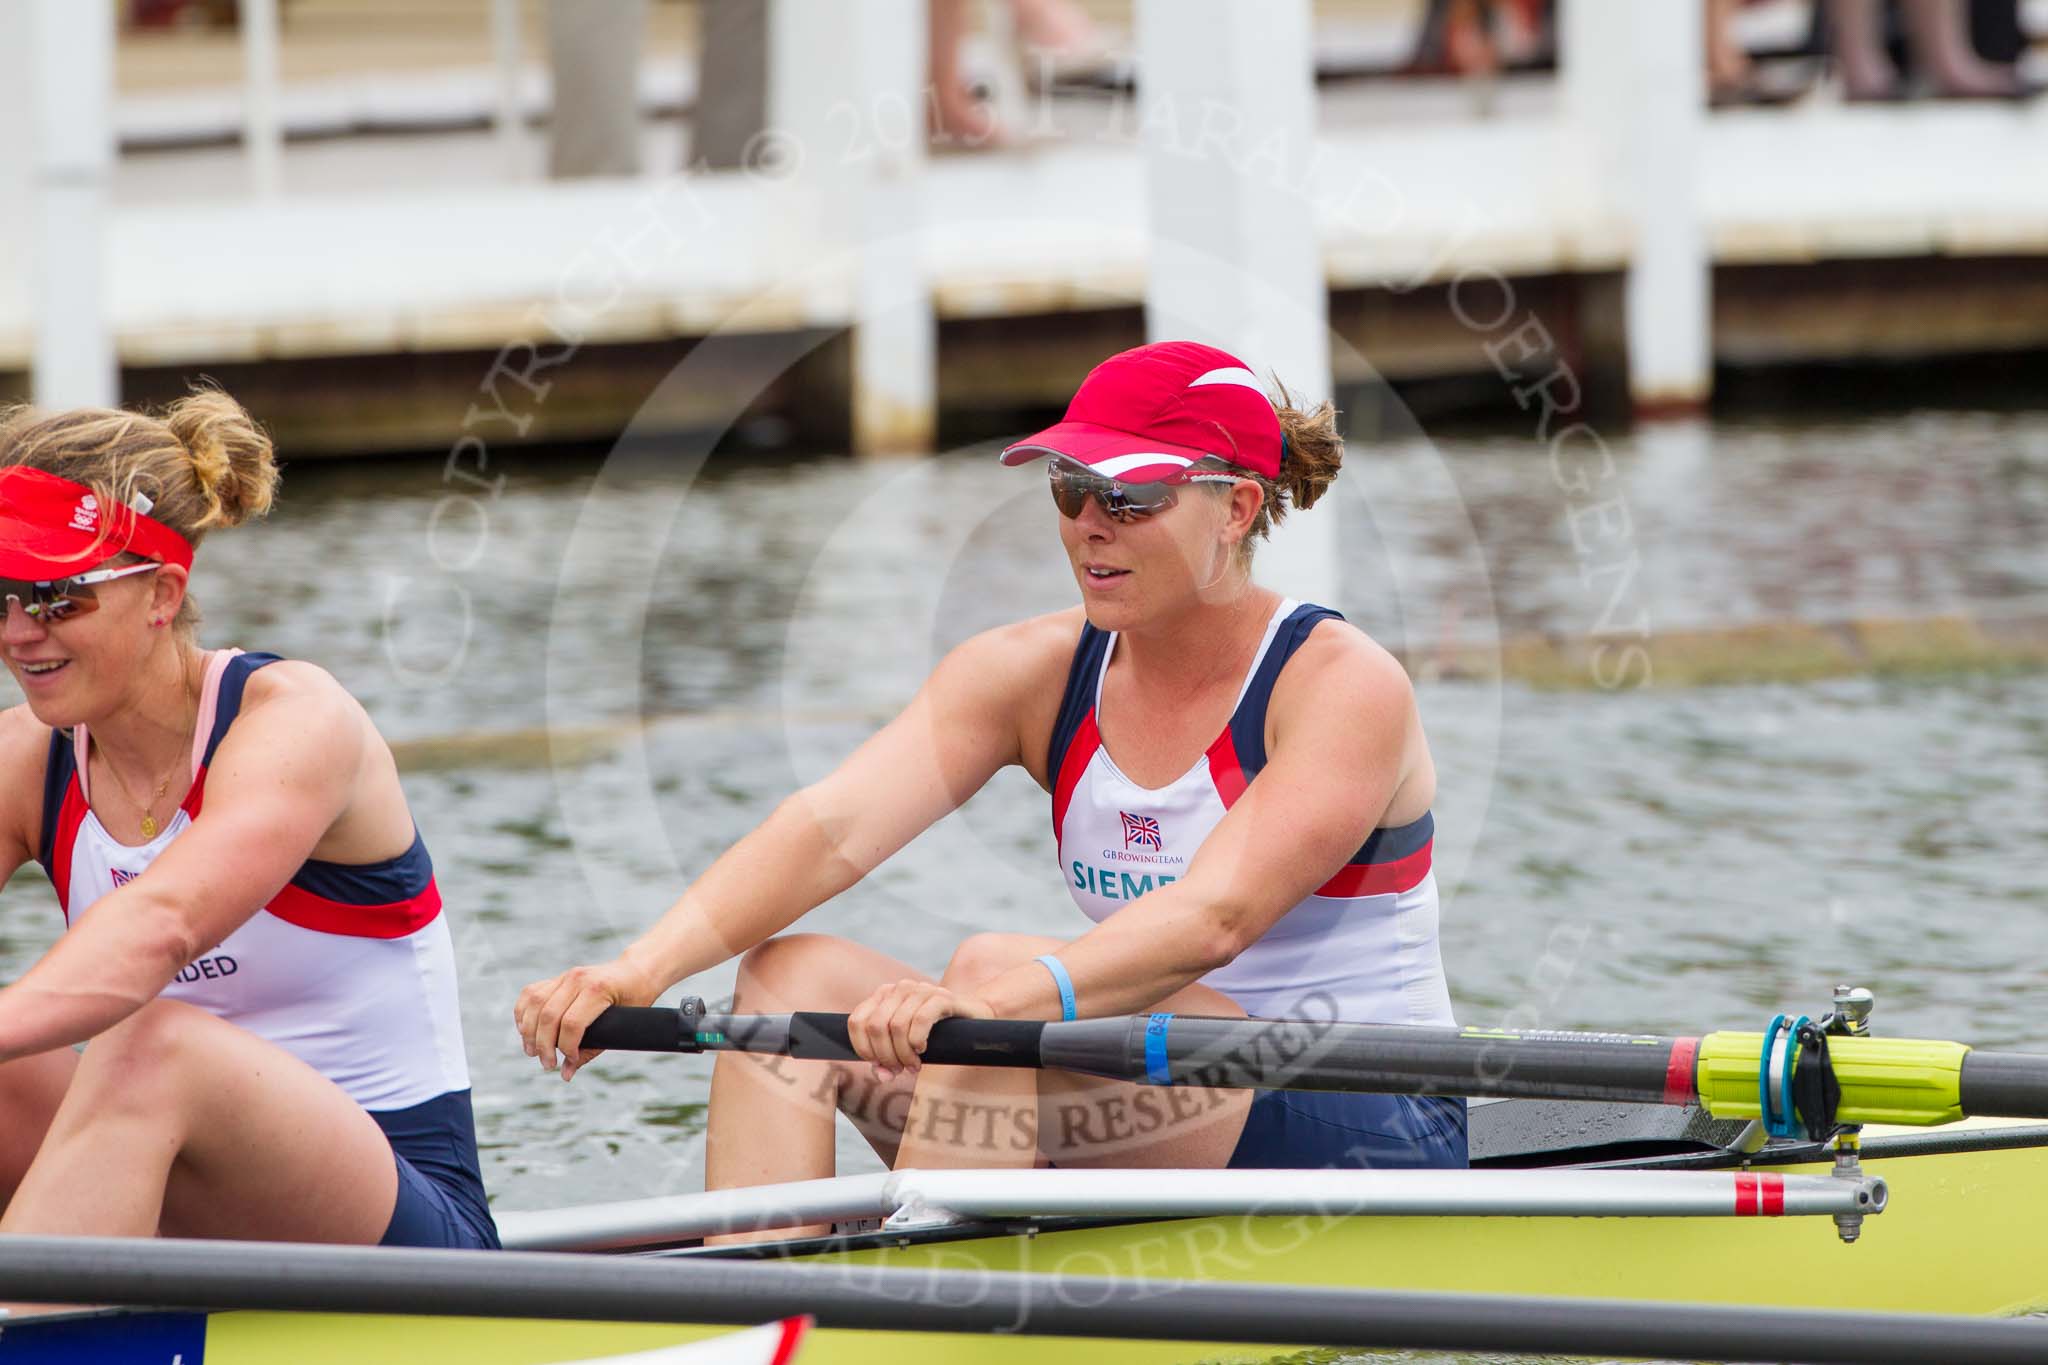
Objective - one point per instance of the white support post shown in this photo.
(17, 164)
(846, 95)
(1227, 97)
(262, 125)
(1635, 89)
(72, 56)
(507, 46)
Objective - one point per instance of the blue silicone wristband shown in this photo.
(1063, 981)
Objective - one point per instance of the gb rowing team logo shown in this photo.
(86, 516)
(1142, 831)
(122, 878)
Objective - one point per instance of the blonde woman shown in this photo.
(253, 948)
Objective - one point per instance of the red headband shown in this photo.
(51, 528)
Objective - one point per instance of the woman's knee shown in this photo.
(779, 969)
(146, 1056)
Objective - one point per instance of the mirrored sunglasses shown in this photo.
(1073, 483)
(63, 598)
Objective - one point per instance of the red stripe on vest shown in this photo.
(70, 816)
(296, 905)
(1080, 750)
(195, 797)
(1380, 879)
(1225, 770)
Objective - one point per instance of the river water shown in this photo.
(1625, 857)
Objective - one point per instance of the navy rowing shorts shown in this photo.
(441, 1199)
(1321, 1130)
(430, 1215)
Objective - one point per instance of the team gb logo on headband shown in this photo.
(87, 515)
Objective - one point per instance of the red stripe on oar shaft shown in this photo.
(1759, 1195)
(1681, 1084)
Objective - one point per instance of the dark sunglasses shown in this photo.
(1074, 483)
(64, 598)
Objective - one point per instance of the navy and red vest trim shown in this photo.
(1390, 860)
(387, 899)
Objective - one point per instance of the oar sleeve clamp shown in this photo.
(1816, 1091)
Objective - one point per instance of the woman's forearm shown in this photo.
(1137, 957)
(791, 864)
(117, 959)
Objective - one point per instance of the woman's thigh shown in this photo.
(1090, 1121)
(271, 1149)
(31, 1089)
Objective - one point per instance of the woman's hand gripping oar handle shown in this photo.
(805, 1034)
(635, 1028)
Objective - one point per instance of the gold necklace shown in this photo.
(149, 824)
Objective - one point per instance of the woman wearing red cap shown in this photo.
(1240, 796)
(253, 945)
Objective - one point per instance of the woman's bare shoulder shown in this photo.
(24, 759)
(1338, 662)
(1019, 658)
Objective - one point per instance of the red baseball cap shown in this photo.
(51, 528)
(1152, 411)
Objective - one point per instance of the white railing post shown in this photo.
(846, 99)
(17, 164)
(508, 47)
(1635, 89)
(72, 76)
(262, 126)
(1227, 96)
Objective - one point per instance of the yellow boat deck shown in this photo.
(1961, 1235)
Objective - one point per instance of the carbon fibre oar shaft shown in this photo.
(1883, 1080)
(490, 1284)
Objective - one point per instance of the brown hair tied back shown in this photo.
(1311, 452)
(202, 462)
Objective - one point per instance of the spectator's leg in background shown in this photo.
(1855, 35)
(1727, 64)
(1938, 34)
(956, 115)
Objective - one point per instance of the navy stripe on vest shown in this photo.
(1397, 842)
(1248, 735)
(393, 880)
(1248, 722)
(57, 774)
(1079, 698)
(234, 678)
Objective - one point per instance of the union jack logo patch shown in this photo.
(1141, 831)
(122, 878)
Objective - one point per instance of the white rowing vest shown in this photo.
(1364, 943)
(350, 968)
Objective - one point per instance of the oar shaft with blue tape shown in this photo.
(1163, 1049)
(1730, 1075)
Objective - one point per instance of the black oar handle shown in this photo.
(953, 1042)
(819, 1037)
(634, 1028)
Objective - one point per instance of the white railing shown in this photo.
(1221, 258)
